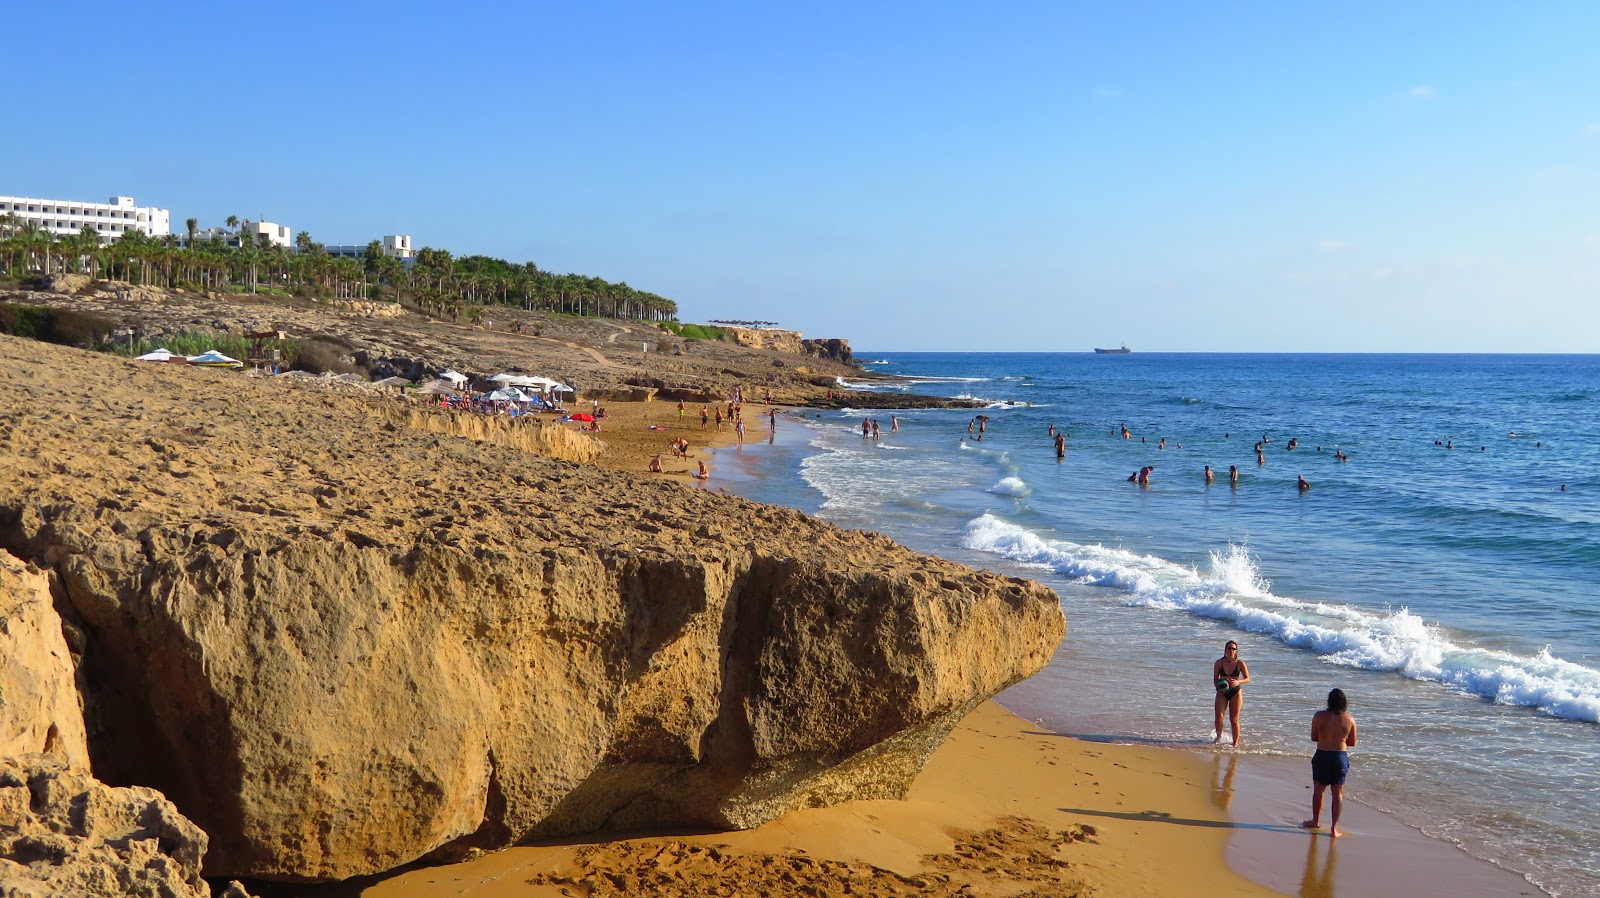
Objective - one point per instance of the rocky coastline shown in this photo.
(338, 642)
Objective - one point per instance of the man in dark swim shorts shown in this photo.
(1333, 730)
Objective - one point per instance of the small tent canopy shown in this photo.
(392, 382)
(517, 380)
(454, 377)
(157, 355)
(214, 359)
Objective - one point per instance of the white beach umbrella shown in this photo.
(454, 377)
(214, 359)
(156, 355)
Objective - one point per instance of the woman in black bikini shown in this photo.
(1229, 676)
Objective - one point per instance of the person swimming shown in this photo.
(1209, 475)
(1303, 483)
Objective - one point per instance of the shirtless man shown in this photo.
(655, 463)
(1061, 446)
(1209, 476)
(1229, 675)
(1333, 730)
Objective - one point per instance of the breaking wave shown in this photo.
(1233, 591)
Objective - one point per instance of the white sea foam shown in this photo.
(1011, 486)
(1233, 591)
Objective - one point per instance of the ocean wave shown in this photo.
(1234, 592)
(896, 448)
(1011, 486)
(991, 403)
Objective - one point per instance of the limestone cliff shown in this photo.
(39, 705)
(339, 643)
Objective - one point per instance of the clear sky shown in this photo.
(920, 176)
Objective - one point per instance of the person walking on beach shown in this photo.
(1229, 675)
(1333, 730)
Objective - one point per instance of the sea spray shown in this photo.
(1234, 592)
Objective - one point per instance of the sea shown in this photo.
(1441, 568)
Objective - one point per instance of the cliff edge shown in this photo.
(339, 643)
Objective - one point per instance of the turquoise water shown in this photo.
(1441, 575)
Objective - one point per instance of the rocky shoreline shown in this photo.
(603, 358)
(339, 643)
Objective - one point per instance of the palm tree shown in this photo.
(192, 225)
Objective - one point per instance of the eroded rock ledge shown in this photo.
(338, 644)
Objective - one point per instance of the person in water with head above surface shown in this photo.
(1229, 674)
(1333, 730)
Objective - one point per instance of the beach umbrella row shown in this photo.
(208, 359)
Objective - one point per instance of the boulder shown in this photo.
(62, 832)
(39, 705)
(340, 643)
(67, 283)
(834, 349)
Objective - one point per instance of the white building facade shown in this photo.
(397, 246)
(110, 219)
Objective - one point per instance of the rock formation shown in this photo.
(833, 350)
(39, 705)
(64, 833)
(339, 643)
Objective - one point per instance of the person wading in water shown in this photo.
(1229, 675)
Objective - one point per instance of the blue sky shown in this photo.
(928, 176)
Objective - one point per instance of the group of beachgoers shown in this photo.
(1142, 476)
(1332, 729)
(731, 411)
(872, 428)
(480, 403)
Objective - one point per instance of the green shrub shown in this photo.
(694, 331)
(67, 327)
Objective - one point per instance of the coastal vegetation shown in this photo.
(436, 283)
(694, 331)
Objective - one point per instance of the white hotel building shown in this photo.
(111, 220)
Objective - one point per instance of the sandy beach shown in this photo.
(1003, 808)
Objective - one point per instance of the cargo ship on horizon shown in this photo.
(1123, 350)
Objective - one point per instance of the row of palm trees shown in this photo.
(437, 283)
